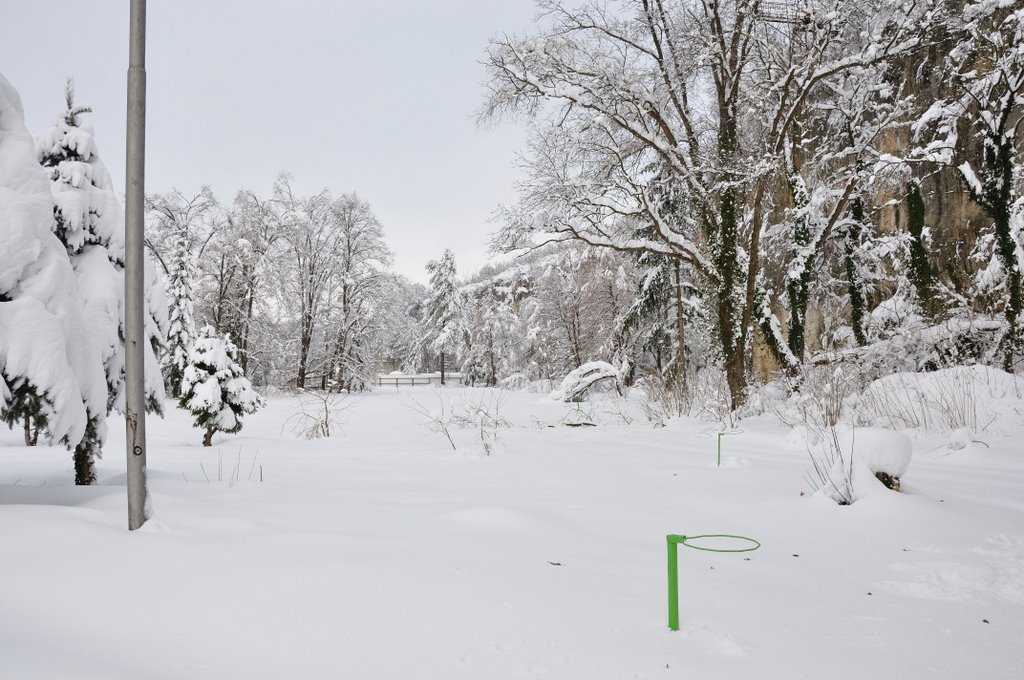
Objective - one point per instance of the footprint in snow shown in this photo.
(710, 640)
(994, 570)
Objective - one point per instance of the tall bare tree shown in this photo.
(312, 241)
(698, 95)
(360, 282)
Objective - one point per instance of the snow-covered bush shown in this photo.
(849, 464)
(483, 415)
(664, 400)
(963, 397)
(577, 383)
(822, 396)
(711, 398)
(319, 413)
(213, 387)
(516, 381)
(438, 421)
(542, 386)
(886, 453)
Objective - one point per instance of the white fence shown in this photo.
(416, 380)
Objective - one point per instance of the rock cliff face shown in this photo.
(955, 222)
(952, 218)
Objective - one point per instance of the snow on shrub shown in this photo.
(516, 381)
(541, 386)
(213, 387)
(962, 397)
(575, 385)
(319, 413)
(885, 452)
(852, 463)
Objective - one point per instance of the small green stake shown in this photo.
(673, 580)
(673, 541)
(720, 435)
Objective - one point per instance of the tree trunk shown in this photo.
(31, 432)
(243, 349)
(307, 319)
(304, 343)
(736, 377)
(85, 469)
(996, 198)
(223, 286)
(575, 337)
(337, 368)
(921, 273)
(492, 379)
(731, 334)
(731, 320)
(854, 284)
(208, 437)
(1006, 247)
(1000, 200)
(442, 368)
(327, 374)
(798, 282)
(680, 360)
(342, 379)
(753, 265)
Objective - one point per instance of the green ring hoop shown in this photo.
(754, 545)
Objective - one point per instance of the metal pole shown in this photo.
(672, 540)
(134, 313)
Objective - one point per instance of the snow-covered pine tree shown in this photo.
(655, 321)
(89, 221)
(182, 330)
(51, 375)
(443, 323)
(490, 324)
(213, 387)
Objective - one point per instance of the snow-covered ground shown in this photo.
(383, 553)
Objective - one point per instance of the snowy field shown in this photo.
(383, 553)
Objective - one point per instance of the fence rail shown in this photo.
(415, 380)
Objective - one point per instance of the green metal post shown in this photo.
(721, 434)
(672, 541)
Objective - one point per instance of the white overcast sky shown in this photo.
(375, 97)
